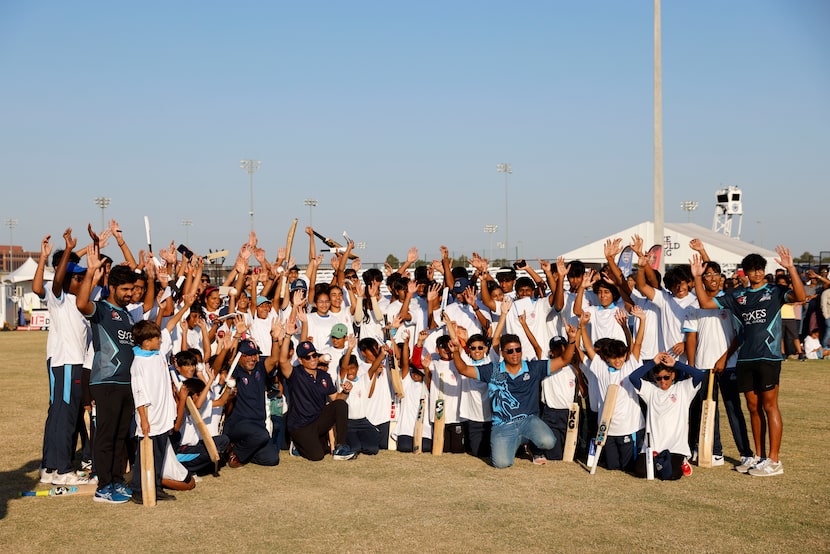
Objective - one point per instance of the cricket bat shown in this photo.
(289, 241)
(605, 423)
(395, 372)
(150, 242)
(649, 458)
(393, 424)
(707, 427)
(148, 472)
(333, 244)
(418, 436)
(572, 434)
(204, 432)
(54, 491)
(215, 255)
(440, 420)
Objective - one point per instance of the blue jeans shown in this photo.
(825, 341)
(506, 438)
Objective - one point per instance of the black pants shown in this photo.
(477, 437)
(557, 420)
(159, 443)
(114, 411)
(406, 443)
(363, 437)
(311, 439)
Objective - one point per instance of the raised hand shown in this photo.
(696, 245)
(412, 255)
(696, 264)
(45, 247)
(784, 259)
(637, 245)
(612, 247)
(71, 242)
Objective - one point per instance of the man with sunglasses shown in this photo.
(515, 386)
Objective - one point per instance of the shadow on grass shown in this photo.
(16, 481)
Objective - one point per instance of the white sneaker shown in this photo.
(539, 459)
(46, 475)
(694, 456)
(717, 460)
(767, 468)
(70, 478)
(747, 463)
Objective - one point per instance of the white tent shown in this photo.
(728, 252)
(26, 272)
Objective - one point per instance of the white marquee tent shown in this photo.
(727, 251)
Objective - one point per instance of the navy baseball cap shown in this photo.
(305, 348)
(460, 285)
(248, 348)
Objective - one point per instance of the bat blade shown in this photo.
(649, 458)
(204, 432)
(333, 244)
(605, 422)
(572, 434)
(148, 472)
(439, 421)
(418, 436)
(707, 427)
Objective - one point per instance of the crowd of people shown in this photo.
(434, 358)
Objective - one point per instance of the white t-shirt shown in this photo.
(379, 407)
(450, 390)
(715, 330)
(812, 346)
(672, 314)
(475, 398)
(536, 317)
(70, 334)
(358, 398)
(559, 389)
(668, 415)
(627, 417)
(408, 413)
(604, 322)
(152, 387)
(652, 334)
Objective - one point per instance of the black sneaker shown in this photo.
(162, 495)
(137, 498)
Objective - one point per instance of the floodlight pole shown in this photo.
(250, 167)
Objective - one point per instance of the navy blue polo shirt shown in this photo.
(308, 394)
(514, 396)
(250, 393)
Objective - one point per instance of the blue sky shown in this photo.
(394, 115)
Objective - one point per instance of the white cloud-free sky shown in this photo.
(393, 115)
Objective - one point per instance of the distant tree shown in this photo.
(462, 261)
(393, 261)
(806, 257)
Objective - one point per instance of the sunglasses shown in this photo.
(310, 357)
(658, 378)
(478, 348)
(517, 350)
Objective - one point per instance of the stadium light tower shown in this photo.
(250, 167)
(490, 229)
(186, 223)
(689, 206)
(102, 202)
(507, 169)
(11, 224)
(311, 203)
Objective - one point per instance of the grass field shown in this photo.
(451, 503)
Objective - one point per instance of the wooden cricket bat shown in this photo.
(707, 427)
(440, 421)
(148, 472)
(572, 434)
(418, 436)
(395, 372)
(605, 422)
(289, 241)
(204, 432)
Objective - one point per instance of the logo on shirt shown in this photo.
(673, 397)
(741, 300)
(526, 377)
(323, 382)
(765, 297)
(245, 380)
(115, 315)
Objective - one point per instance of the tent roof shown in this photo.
(26, 272)
(727, 251)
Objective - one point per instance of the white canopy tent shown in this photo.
(728, 252)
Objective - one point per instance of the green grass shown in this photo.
(425, 503)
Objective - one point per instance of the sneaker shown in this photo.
(747, 463)
(343, 452)
(539, 459)
(46, 475)
(110, 496)
(233, 460)
(122, 489)
(293, 451)
(694, 456)
(86, 465)
(767, 468)
(137, 498)
(162, 495)
(69, 479)
(717, 460)
(687, 469)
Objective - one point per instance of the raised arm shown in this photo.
(697, 246)
(37, 281)
(704, 300)
(530, 337)
(586, 340)
(460, 365)
(411, 258)
(785, 260)
(94, 263)
(640, 314)
(115, 229)
(188, 300)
